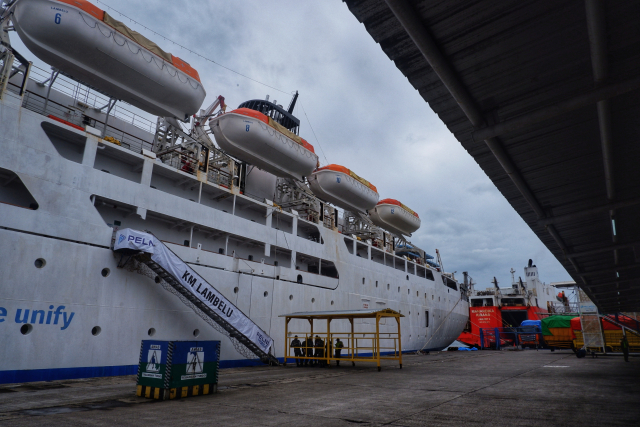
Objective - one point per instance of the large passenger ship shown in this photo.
(252, 213)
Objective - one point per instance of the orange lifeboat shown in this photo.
(86, 43)
(341, 186)
(393, 216)
(267, 141)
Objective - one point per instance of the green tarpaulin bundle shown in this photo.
(555, 322)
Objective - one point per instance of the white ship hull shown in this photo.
(81, 323)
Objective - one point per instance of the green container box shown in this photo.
(176, 364)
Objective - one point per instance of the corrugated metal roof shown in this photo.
(343, 313)
(514, 58)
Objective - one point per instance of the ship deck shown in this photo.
(447, 388)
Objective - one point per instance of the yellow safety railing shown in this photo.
(320, 347)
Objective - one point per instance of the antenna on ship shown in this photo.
(292, 105)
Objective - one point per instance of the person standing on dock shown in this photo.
(297, 350)
(625, 347)
(338, 347)
(319, 350)
(308, 344)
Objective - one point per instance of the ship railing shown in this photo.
(564, 308)
(90, 98)
(84, 98)
(179, 158)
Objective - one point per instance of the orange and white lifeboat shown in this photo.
(86, 43)
(262, 141)
(342, 187)
(393, 216)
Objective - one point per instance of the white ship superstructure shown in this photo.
(75, 169)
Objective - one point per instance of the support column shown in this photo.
(90, 151)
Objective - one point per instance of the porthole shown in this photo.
(290, 297)
(26, 329)
(398, 288)
(388, 286)
(95, 331)
(376, 283)
(407, 277)
(105, 272)
(196, 333)
(40, 262)
(331, 302)
(157, 279)
(363, 280)
(408, 291)
(313, 300)
(151, 332)
(235, 290)
(266, 294)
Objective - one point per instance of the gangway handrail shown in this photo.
(194, 291)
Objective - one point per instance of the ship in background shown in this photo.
(228, 193)
(496, 307)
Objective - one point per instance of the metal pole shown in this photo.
(106, 121)
(377, 342)
(399, 340)
(286, 339)
(54, 76)
(352, 341)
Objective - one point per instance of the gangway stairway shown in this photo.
(142, 248)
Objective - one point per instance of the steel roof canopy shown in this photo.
(545, 97)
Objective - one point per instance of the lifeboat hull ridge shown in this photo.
(341, 189)
(72, 37)
(254, 141)
(394, 218)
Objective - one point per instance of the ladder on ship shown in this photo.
(187, 294)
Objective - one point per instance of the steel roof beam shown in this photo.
(610, 270)
(410, 20)
(588, 212)
(621, 292)
(602, 249)
(530, 119)
(617, 282)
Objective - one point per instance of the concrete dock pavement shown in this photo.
(499, 388)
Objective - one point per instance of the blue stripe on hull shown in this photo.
(31, 375)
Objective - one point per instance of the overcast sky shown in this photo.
(365, 114)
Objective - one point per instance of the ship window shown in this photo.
(430, 275)
(196, 333)
(250, 257)
(363, 280)
(407, 277)
(398, 288)
(376, 283)
(186, 243)
(96, 331)
(40, 262)
(221, 251)
(299, 280)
